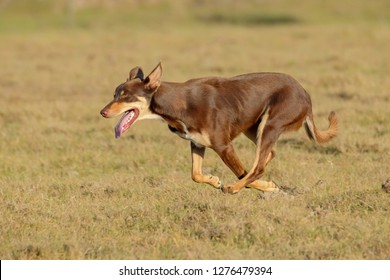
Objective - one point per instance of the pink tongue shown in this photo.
(124, 123)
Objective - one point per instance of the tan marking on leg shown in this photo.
(197, 160)
(258, 144)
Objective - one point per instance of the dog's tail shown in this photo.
(320, 136)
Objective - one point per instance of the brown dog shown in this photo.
(211, 112)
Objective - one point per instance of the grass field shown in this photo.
(70, 190)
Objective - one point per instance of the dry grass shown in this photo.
(69, 190)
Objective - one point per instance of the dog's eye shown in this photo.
(119, 94)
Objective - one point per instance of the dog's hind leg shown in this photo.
(197, 154)
(266, 186)
(268, 133)
(252, 134)
(283, 117)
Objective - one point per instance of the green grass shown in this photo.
(69, 190)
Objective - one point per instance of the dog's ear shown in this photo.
(153, 80)
(136, 72)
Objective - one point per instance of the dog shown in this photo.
(211, 112)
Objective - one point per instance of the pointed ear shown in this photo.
(153, 80)
(136, 72)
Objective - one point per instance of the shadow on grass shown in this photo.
(310, 147)
(248, 20)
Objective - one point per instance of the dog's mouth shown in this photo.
(126, 121)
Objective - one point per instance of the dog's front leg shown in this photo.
(197, 154)
(229, 156)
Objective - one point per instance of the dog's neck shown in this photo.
(175, 104)
(168, 101)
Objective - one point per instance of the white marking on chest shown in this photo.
(145, 113)
(150, 116)
(201, 139)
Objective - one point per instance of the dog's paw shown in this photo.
(272, 187)
(215, 181)
(230, 189)
(265, 186)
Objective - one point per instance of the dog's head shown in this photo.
(132, 99)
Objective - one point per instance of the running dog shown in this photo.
(211, 112)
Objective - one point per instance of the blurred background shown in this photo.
(221, 36)
(35, 15)
(25, 15)
(69, 189)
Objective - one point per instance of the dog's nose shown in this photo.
(103, 113)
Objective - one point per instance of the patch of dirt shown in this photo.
(284, 191)
(386, 185)
(293, 190)
(152, 182)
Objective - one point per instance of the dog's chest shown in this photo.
(200, 139)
